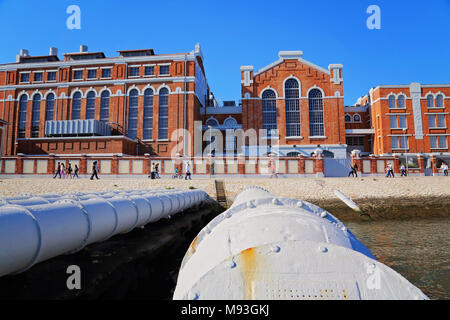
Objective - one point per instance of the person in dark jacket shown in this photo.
(94, 171)
(58, 171)
(75, 173)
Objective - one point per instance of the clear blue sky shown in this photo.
(412, 45)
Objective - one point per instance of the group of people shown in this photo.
(178, 175)
(62, 172)
(353, 171)
(154, 174)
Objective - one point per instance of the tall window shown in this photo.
(35, 115)
(430, 101)
(90, 105)
(148, 114)
(104, 105)
(133, 113)
(269, 111)
(163, 132)
(391, 101)
(22, 116)
(316, 113)
(291, 94)
(401, 102)
(49, 107)
(76, 106)
(439, 101)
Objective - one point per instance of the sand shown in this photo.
(307, 189)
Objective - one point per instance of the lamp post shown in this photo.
(406, 150)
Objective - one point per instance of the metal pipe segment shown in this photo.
(37, 228)
(265, 247)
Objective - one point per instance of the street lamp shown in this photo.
(406, 150)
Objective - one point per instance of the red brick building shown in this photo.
(93, 104)
(300, 104)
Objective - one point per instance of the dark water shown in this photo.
(418, 249)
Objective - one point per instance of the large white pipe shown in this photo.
(34, 229)
(264, 247)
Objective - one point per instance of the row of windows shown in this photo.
(163, 132)
(38, 76)
(432, 102)
(293, 125)
(436, 142)
(434, 121)
(435, 103)
(229, 122)
(35, 114)
(355, 118)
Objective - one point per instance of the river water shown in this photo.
(418, 249)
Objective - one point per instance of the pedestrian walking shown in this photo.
(351, 172)
(69, 170)
(75, 173)
(444, 168)
(152, 172)
(58, 171)
(63, 171)
(355, 169)
(403, 171)
(94, 171)
(157, 171)
(390, 170)
(188, 171)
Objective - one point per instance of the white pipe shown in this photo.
(264, 247)
(34, 229)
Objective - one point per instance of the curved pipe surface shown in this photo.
(37, 228)
(265, 247)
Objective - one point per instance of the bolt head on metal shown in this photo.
(275, 249)
(276, 201)
(232, 264)
(323, 214)
(250, 204)
(323, 249)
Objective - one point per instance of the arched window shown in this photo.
(148, 114)
(391, 101)
(357, 118)
(291, 94)
(348, 118)
(430, 101)
(163, 131)
(49, 107)
(76, 106)
(22, 116)
(230, 123)
(90, 105)
(315, 113)
(104, 106)
(212, 122)
(269, 111)
(133, 113)
(439, 101)
(35, 115)
(401, 102)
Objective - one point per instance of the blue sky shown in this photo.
(413, 43)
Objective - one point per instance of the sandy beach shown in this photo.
(376, 194)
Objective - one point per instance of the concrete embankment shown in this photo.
(142, 264)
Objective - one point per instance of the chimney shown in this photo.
(53, 51)
(83, 48)
(24, 53)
